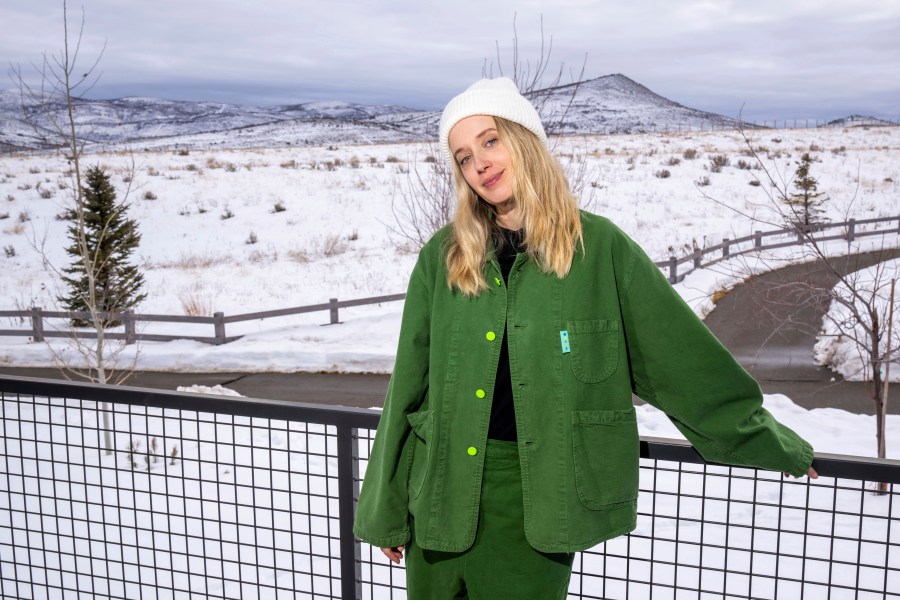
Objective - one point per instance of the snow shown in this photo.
(840, 352)
(334, 238)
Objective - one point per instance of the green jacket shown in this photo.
(627, 330)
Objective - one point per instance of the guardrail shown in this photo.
(227, 497)
(700, 258)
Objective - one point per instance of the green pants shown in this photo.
(500, 565)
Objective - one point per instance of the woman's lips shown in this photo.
(489, 183)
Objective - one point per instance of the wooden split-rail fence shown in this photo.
(699, 258)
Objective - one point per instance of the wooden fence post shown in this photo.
(219, 325)
(698, 257)
(37, 324)
(725, 248)
(128, 319)
(673, 270)
(334, 310)
(758, 240)
(851, 230)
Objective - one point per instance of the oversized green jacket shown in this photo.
(578, 348)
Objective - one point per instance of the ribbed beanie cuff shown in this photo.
(494, 97)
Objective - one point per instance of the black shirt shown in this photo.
(503, 414)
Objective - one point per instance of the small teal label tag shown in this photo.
(564, 340)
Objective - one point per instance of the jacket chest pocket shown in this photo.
(606, 452)
(594, 349)
(422, 423)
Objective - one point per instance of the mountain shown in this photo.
(859, 121)
(610, 104)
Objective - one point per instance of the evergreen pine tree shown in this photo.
(806, 203)
(110, 238)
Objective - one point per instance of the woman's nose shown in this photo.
(481, 163)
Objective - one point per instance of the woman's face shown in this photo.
(483, 159)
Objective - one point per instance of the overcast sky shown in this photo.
(777, 58)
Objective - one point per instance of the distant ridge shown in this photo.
(609, 104)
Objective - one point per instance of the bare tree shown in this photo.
(857, 308)
(423, 198)
(50, 106)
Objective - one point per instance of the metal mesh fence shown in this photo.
(186, 504)
(193, 497)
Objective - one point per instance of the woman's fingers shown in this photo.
(395, 553)
(811, 473)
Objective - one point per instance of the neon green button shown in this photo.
(497, 279)
(479, 393)
(472, 450)
(491, 336)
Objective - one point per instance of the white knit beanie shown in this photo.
(494, 97)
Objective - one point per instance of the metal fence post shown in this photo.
(334, 310)
(219, 325)
(128, 319)
(348, 474)
(37, 324)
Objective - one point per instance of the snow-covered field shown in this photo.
(198, 212)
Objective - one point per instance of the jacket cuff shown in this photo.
(383, 541)
(801, 467)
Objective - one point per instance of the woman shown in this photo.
(508, 439)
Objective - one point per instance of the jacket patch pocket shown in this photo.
(422, 423)
(595, 349)
(606, 451)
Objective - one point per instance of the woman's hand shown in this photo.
(811, 474)
(395, 553)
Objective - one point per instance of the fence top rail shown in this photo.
(828, 465)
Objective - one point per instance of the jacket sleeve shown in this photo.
(382, 514)
(678, 366)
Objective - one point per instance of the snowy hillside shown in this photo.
(610, 104)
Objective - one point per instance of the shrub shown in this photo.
(372, 160)
(251, 239)
(662, 174)
(338, 162)
(10, 198)
(227, 214)
(354, 162)
(152, 172)
(279, 207)
(24, 216)
(674, 161)
(212, 163)
(191, 167)
(23, 186)
(332, 148)
(4, 216)
(329, 165)
(703, 181)
(289, 164)
(148, 195)
(196, 305)
(430, 159)
(743, 164)
(230, 167)
(34, 170)
(9, 250)
(45, 193)
(183, 152)
(392, 159)
(754, 182)
(333, 246)
(717, 162)
(814, 147)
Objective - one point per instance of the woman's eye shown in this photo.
(464, 160)
(491, 142)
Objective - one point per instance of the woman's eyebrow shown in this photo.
(477, 137)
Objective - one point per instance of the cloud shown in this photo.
(789, 55)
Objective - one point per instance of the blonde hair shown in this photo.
(545, 207)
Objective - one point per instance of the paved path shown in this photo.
(773, 339)
(744, 320)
